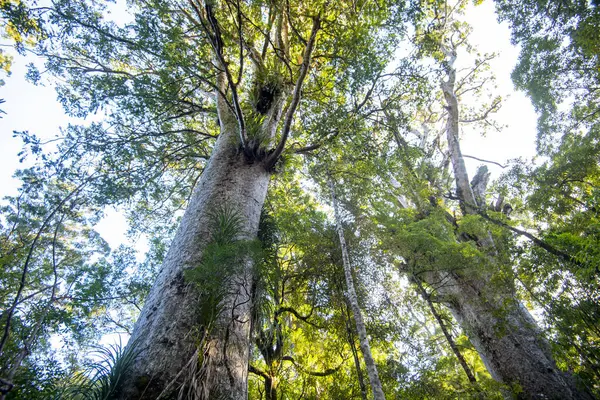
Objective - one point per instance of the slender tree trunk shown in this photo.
(270, 383)
(351, 341)
(271, 389)
(353, 301)
(447, 335)
(168, 329)
(502, 330)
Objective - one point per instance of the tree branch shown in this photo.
(327, 372)
(486, 161)
(297, 315)
(495, 106)
(25, 271)
(539, 242)
(272, 159)
(216, 41)
(258, 372)
(427, 297)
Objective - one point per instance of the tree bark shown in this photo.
(502, 330)
(365, 347)
(167, 331)
(351, 341)
(236, 176)
(507, 338)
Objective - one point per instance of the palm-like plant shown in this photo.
(101, 379)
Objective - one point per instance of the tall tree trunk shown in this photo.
(353, 301)
(502, 330)
(168, 329)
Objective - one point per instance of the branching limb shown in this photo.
(315, 146)
(294, 30)
(537, 241)
(26, 265)
(485, 161)
(494, 107)
(297, 315)
(211, 27)
(259, 372)
(427, 297)
(289, 116)
(358, 107)
(327, 372)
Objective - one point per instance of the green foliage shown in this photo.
(559, 64)
(41, 377)
(255, 128)
(429, 242)
(59, 278)
(101, 379)
(223, 258)
(20, 27)
(473, 226)
(556, 200)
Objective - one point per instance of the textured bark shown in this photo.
(168, 329)
(505, 335)
(353, 301)
(479, 185)
(507, 338)
(463, 189)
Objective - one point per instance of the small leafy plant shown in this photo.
(101, 379)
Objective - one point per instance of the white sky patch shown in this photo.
(114, 228)
(36, 109)
(28, 108)
(517, 113)
(117, 339)
(121, 13)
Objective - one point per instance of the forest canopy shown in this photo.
(313, 230)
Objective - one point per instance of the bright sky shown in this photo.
(518, 138)
(35, 109)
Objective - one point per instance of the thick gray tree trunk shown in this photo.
(168, 331)
(365, 347)
(502, 330)
(209, 359)
(507, 338)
